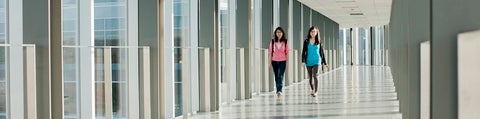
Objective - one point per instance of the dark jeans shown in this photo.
(312, 76)
(279, 70)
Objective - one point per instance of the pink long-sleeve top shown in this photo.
(280, 51)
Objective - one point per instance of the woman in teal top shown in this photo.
(312, 56)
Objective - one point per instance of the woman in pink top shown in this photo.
(278, 51)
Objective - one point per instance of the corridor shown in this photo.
(358, 92)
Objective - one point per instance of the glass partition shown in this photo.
(181, 21)
(110, 80)
(3, 60)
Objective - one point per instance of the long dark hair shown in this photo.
(317, 37)
(282, 39)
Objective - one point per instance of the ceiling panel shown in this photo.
(353, 13)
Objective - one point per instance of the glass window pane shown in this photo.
(3, 83)
(110, 23)
(71, 100)
(99, 25)
(181, 38)
(70, 58)
(223, 7)
(69, 25)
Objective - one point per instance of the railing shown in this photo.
(12, 88)
(292, 72)
(425, 80)
(120, 76)
(192, 63)
(235, 84)
(468, 74)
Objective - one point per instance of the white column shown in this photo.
(241, 74)
(30, 82)
(194, 66)
(425, 80)
(15, 82)
(145, 98)
(132, 94)
(295, 66)
(257, 29)
(276, 14)
(205, 80)
(265, 71)
(107, 61)
(186, 96)
(468, 73)
(355, 50)
(167, 83)
(86, 82)
(231, 51)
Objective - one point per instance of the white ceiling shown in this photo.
(375, 12)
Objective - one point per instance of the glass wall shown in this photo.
(110, 27)
(181, 41)
(71, 59)
(361, 48)
(3, 60)
(361, 38)
(367, 46)
(224, 42)
(379, 46)
(345, 47)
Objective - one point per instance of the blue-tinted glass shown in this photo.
(106, 1)
(2, 16)
(3, 56)
(181, 10)
(111, 15)
(177, 9)
(70, 55)
(69, 25)
(69, 13)
(2, 4)
(69, 1)
(2, 28)
(177, 22)
(99, 35)
(99, 24)
(109, 11)
(111, 24)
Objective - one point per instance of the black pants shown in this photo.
(279, 70)
(312, 74)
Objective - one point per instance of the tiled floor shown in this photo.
(361, 92)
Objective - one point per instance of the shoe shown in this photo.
(315, 94)
(279, 94)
